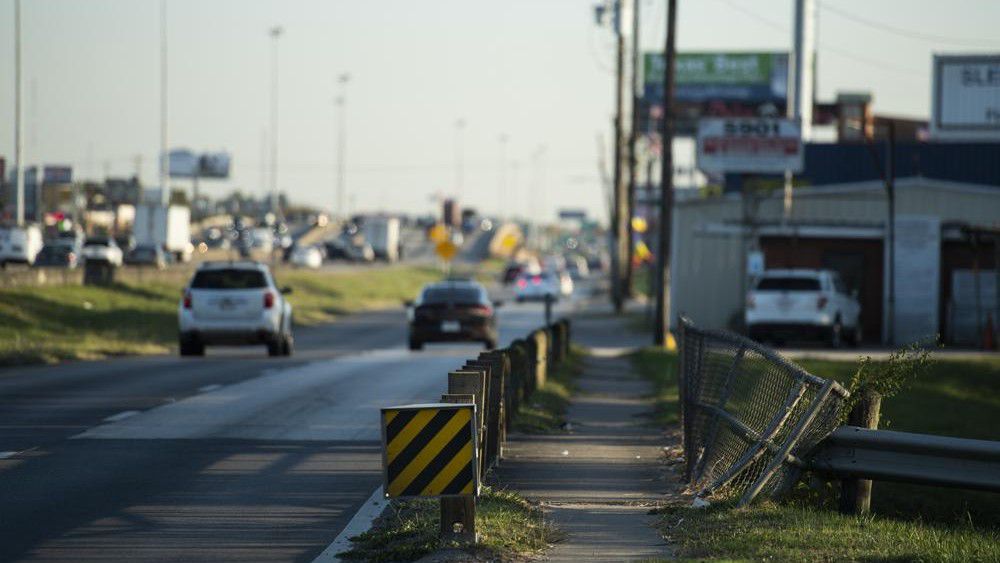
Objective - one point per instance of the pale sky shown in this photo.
(538, 71)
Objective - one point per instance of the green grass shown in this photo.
(909, 522)
(544, 412)
(53, 323)
(659, 366)
(508, 527)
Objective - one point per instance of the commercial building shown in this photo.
(946, 253)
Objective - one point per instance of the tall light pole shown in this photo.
(18, 125)
(276, 32)
(343, 79)
(164, 175)
(502, 189)
(459, 160)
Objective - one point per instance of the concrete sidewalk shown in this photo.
(598, 481)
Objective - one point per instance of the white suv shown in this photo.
(233, 303)
(793, 304)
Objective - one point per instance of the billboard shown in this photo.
(702, 77)
(750, 145)
(184, 163)
(966, 97)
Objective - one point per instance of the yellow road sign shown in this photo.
(438, 233)
(446, 250)
(429, 451)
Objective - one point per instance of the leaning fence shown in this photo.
(753, 421)
(749, 416)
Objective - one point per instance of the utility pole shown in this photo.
(799, 101)
(890, 189)
(276, 32)
(164, 156)
(342, 142)
(18, 122)
(633, 157)
(662, 315)
(619, 221)
(459, 160)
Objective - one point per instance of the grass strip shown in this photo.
(70, 322)
(508, 527)
(544, 412)
(909, 522)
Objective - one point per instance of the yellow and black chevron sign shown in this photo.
(429, 451)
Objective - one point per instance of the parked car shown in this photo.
(20, 244)
(58, 255)
(234, 303)
(795, 304)
(102, 249)
(535, 287)
(307, 257)
(450, 311)
(340, 249)
(147, 255)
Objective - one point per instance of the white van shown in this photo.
(20, 244)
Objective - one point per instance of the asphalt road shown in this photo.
(235, 456)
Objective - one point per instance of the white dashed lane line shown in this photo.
(5, 455)
(120, 416)
(209, 388)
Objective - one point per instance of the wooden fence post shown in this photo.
(856, 494)
(458, 514)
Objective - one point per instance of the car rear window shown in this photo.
(440, 295)
(229, 279)
(788, 284)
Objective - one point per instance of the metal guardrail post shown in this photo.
(465, 382)
(458, 515)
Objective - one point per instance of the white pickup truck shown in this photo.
(798, 304)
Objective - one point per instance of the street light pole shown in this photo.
(276, 32)
(342, 142)
(459, 161)
(502, 191)
(18, 122)
(661, 332)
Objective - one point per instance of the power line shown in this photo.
(907, 33)
(877, 63)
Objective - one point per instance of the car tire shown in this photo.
(490, 344)
(276, 347)
(857, 335)
(287, 345)
(416, 345)
(191, 347)
(837, 334)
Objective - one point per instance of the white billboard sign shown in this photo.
(750, 145)
(966, 97)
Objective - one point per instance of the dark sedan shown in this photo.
(453, 311)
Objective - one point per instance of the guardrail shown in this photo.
(752, 421)
(494, 384)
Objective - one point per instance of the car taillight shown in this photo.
(483, 310)
(536, 280)
(187, 300)
(751, 302)
(522, 283)
(268, 300)
(821, 302)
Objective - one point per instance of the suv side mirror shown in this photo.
(407, 302)
(286, 290)
(498, 303)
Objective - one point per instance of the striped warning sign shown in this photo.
(429, 450)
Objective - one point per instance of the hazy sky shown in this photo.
(538, 71)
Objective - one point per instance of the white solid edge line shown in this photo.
(209, 388)
(120, 416)
(359, 524)
(5, 455)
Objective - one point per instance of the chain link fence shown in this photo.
(748, 415)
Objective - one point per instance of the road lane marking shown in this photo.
(359, 524)
(120, 416)
(209, 388)
(5, 455)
